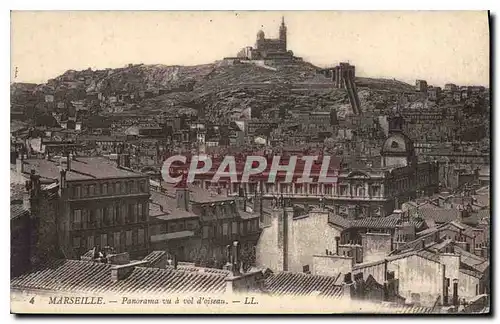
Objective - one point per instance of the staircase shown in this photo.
(352, 93)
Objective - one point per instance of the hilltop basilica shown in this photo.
(268, 48)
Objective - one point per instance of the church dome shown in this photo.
(260, 35)
(398, 145)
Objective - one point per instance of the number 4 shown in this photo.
(32, 300)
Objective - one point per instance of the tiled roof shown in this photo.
(377, 222)
(390, 221)
(403, 309)
(338, 220)
(471, 260)
(300, 284)
(440, 215)
(17, 210)
(85, 277)
(154, 257)
(190, 268)
(164, 207)
(83, 168)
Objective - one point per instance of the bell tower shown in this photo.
(283, 33)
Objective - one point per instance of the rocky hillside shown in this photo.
(223, 89)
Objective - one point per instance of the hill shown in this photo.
(223, 88)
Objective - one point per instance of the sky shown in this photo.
(438, 46)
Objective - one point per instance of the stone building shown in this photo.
(268, 48)
(198, 224)
(99, 204)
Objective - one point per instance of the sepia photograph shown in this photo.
(250, 162)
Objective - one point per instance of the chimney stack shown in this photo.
(69, 158)
(120, 272)
(235, 258)
(337, 243)
(182, 193)
(27, 202)
(62, 178)
(20, 163)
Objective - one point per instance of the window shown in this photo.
(116, 240)
(91, 219)
(140, 211)
(77, 219)
(172, 227)
(140, 236)
(181, 226)
(117, 188)
(77, 191)
(134, 238)
(123, 215)
(104, 188)
(234, 229)
(143, 186)
(76, 242)
(225, 231)
(90, 242)
(125, 188)
(242, 229)
(205, 231)
(189, 225)
(91, 190)
(104, 239)
(99, 216)
(128, 238)
(85, 191)
(131, 186)
(132, 213)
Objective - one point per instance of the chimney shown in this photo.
(62, 179)
(235, 258)
(172, 261)
(182, 193)
(20, 163)
(120, 272)
(337, 243)
(182, 198)
(386, 270)
(119, 259)
(229, 259)
(423, 244)
(69, 157)
(27, 202)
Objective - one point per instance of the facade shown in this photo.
(100, 204)
(268, 48)
(198, 224)
(285, 244)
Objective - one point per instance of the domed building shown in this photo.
(377, 192)
(268, 48)
(398, 149)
